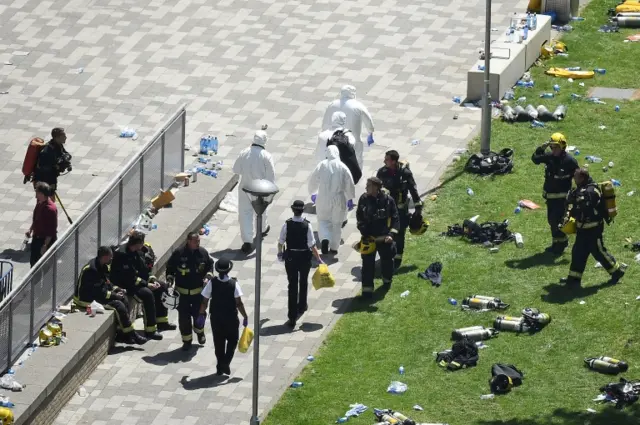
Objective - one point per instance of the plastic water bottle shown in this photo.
(342, 420)
(214, 145)
(25, 244)
(616, 183)
(556, 88)
(575, 96)
(517, 210)
(456, 99)
(563, 55)
(563, 28)
(6, 403)
(522, 83)
(576, 152)
(487, 396)
(593, 159)
(519, 240)
(521, 99)
(296, 384)
(310, 358)
(535, 21)
(546, 95)
(536, 123)
(453, 301)
(525, 32)
(529, 24)
(127, 133)
(573, 68)
(617, 108)
(600, 71)
(207, 229)
(611, 164)
(577, 18)
(508, 95)
(470, 191)
(405, 294)
(401, 370)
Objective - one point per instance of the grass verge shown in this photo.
(362, 354)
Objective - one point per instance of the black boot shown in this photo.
(397, 262)
(138, 339)
(571, 282)
(202, 339)
(167, 327)
(154, 335)
(616, 276)
(324, 246)
(186, 345)
(247, 248)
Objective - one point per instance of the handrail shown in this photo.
(76, 224)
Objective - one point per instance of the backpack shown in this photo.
(491, 163)
(608, 207)
(504, 377)
(463, 354)
(347, 153)
(31, 158)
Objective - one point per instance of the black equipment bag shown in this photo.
(491, 163)
(347, 153)
(463, 354)
(504, 377)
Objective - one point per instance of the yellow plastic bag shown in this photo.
(322, 278)
(245, 340)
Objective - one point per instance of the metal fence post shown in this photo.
(99, 212)
(54, 304)
(32, 303)
(119, 210)
(141, 198)
(184, 138)
(76, 255)
(10, 336)
(162, 160)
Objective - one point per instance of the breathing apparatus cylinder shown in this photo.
(606, 365)
(474, 333)
(510, 323)
(485, 297)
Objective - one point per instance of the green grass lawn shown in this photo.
(362, 354)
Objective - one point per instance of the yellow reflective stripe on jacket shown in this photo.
(588, 224)
(185, 291)
(556, 195)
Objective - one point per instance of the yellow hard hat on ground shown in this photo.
(418, 225)
(558, 139)
(365, 246)
(6, 416)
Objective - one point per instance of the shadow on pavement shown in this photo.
(208, 381)
(285, 329)
(233, 254)
(17, 256)
(536, 260)
(607, 416)
(559, 293)
(119, 349)
(173, 356)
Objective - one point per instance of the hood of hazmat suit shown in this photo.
(333, 182)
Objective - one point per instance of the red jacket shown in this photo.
(45, 219)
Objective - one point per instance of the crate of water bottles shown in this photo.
(209, 145)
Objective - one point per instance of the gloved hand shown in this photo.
(350, 204)
(200, 320)
(170, 280)
(245, 322)
(280, 257)
(370, 140)
(314, 197)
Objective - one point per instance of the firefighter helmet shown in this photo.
(418, 225)
(365, 246)
(558, 139)
(6, 416)
(170, 299)
(569, 227)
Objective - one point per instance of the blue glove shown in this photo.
(280, 256)
(200, 321)
(314, 197)
(350, 204)
(245, 322)
(370, 139)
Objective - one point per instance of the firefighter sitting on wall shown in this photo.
(559, 170)
(188, 267)
(398, 179)
(94, 285)
(378, 222)
(586, 207)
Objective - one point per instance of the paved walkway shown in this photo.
(239, 64)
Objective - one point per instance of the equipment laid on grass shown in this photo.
(491, 163)
(463, 354)
(490, 231)
(482, 302)
(391, 417)
(474, 333)
(624, 21)
(510, 323)
(504, 377)
(417, 224)
(623, 393)
(565, 73)
(606, 365)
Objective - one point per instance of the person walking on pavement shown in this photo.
(357, 114)
(94, 285)
(44, 227)
(295, 247)
(338, 123)
(587, 207)
(224, 296)
(378, 223)
(129, 271)
(53, 160)
(253, 163)
(559, 170)
(333, 183)
(188, 268)
(398, 179)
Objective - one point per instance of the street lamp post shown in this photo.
(485, 132)
(261, 193)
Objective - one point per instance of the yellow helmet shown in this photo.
(6, 416)
(558, 139)
(418, 225)
(365, 246)
(559, 47)
(569, 227)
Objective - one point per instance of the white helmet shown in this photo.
(170, 299)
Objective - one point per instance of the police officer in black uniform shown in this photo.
(377, 218)
(559, 170)
(129, 271)
(586, 206)
(225, 297)
(398, 179)
(188, 267)
(296, 245)
(94, 285)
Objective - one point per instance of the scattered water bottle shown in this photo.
(453, 301)
(521, 99)
(575, 96)
(405, 294)
(480, 67)
(370, 140)
(456, 99)
(519, 240)
(517, 210)
(573, 68)
(577, 18)
(154, 226)
(415, 142)
(562, 28)
(556, 88)
(600, 71)
(522, 83)
(342, 420)
(6, 403)
(296, 384)
(82, 391)
(470, 191)
(536, 123)
(546, 95)
(487, 396)
(310, 358)
(214, 145)
(631, 193)
(563, 55)
(401, 370)
(128, 133)
(508, 95)
(595, 100)
(207, 229)
(593, 159)
(611, 164)
(616, 183)
(525, 32)
(617, 108)
(576, 152)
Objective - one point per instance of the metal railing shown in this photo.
(6, 278)
(50, 283)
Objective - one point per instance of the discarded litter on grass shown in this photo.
(397, 387)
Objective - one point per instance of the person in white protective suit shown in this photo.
(338, 122)
(333, 182)
(253, 163)
(356, 113)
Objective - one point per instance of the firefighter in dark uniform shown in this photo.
(559, 170)
(377, 218)
(586, 206)
(296, 246)
(225, 297)
(53, 160)
(188, 267)
(398, 179)
(94, 285)
(130, 271)
(162, 312)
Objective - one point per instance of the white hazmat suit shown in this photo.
(356, 113)
(338, 122)
(333, 182)
(253, 163)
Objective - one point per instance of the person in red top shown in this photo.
(44, 228)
